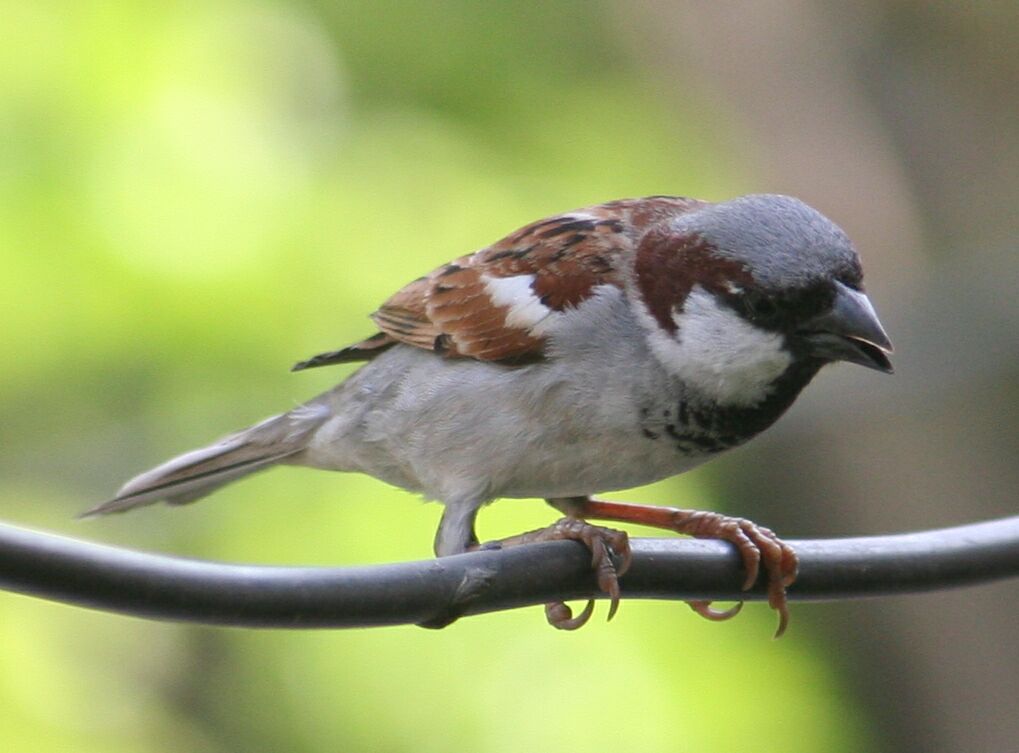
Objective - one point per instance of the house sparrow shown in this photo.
(595, 350)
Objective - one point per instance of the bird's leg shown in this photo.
(455, 535)
(755, 543)
(603, 543)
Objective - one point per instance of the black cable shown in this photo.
(170, 588)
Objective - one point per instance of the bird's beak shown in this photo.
(849, 331)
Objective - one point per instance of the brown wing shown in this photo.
(496, 304)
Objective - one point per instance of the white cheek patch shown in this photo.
(525, 309)
(719, 354)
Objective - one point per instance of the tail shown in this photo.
(194, 474)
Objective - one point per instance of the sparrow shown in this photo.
(591, 351)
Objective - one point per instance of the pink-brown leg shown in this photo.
(757, 545)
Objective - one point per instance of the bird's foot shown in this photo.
(605, 545)
(756, 544)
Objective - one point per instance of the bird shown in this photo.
(594, 350)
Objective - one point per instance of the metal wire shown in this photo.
(435, 592)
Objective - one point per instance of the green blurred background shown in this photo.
(194, 196)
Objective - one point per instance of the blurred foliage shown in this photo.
(192, 197)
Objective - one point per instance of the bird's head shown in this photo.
(737, 293)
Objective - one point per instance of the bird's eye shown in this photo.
(758, 306)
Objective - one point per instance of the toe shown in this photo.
(560, 616)
(705, 610)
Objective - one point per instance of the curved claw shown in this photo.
(778, 601)
(782, 565)
(604, 543)
(613, 605)
(705, 610)
(783, 620)
(560, 616)
(606, 571)
(607, 546)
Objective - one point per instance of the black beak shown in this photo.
(849, 331)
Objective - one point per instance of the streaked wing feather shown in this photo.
(497, 304)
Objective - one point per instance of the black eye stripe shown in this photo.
(783, 310)
(758, 304)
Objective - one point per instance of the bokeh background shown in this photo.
(195, 195)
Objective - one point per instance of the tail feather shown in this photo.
(195, 474)
(365, 350)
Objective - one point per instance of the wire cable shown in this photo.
(434, 592)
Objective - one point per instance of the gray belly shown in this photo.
(464, 430)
